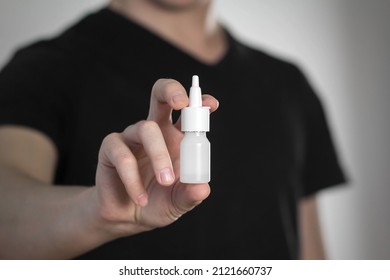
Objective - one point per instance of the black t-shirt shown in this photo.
(270, 140)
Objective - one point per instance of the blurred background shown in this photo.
(343, 47)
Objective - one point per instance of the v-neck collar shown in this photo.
(113, 31)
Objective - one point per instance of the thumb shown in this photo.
(187, 196)
(167, 94)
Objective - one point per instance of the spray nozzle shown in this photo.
(195, 81)
(195, 117)
(195, 93)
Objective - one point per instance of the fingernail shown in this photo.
(142, 200)
(166, 176)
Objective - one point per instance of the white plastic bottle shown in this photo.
(195, 147)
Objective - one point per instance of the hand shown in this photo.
(137, 182)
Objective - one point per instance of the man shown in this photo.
(63, 99)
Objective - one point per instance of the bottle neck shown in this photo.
(195, 133)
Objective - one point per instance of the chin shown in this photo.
(178, 4)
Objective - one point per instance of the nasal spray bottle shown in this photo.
(195, 148)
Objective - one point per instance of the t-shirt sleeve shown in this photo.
(31, 90)
(321, 167)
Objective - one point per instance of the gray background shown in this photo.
(343, 47)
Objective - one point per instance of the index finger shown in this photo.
(167, 94)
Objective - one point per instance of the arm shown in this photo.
(310, 231)
(38, 220)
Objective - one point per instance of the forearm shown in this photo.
(310, 231)
(39, 221)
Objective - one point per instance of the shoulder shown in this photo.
(40, 54)
(285, 78)
(52, 57)
(67, 45)
(39, 65)
(266, 63)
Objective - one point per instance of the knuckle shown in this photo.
(160, 83)
(160, 157)
(110, 138)
(107, 145)
(172, 85)
(164, 81)
(148, 126)
(167, 85)
(124, 159)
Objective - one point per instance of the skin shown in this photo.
(137, 187)
(73, 220)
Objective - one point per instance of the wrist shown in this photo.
(104, 222)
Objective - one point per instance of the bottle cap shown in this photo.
(195, 117)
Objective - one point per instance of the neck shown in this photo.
(194, 29)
